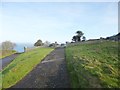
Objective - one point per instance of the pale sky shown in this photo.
(26, 22)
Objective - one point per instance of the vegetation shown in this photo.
(7, 45)
(93, 64)
(78, 36)
(84, 38)
(22, 65)
(114, 37)
(46, 43)
(4, 53)
(53, 45)
(6, 49)
(38, 43)
(74, 38)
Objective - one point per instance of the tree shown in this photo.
(8, 45)
(38, 43)
(56, 44)
(84, 38)
(79, 35)
(47, 43)
(74, 38)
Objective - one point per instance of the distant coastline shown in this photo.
(20, 46)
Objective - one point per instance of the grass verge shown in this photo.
(5, 53)
(22, 65)
(93, 65)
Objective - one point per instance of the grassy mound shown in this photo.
(22, 65)
(93, 64)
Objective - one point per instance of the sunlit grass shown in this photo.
(22, 65)
(98, 61)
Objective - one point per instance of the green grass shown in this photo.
(93, 64)
(5, 53)
(22, 65)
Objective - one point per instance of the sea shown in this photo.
(20, 47)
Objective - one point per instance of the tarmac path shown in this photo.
(50, 73)
(5, 61)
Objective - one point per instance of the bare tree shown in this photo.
(8, 45)
(47, 43)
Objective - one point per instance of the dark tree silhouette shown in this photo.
(79, 35)
(38, 43)
(74, 38)
(84, 38)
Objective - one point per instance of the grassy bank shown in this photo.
(93, 64)
(22, 65)
(4, 53)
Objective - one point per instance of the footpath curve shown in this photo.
(5, 61)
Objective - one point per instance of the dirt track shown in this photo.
(50, 73)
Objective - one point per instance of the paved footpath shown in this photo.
(5, 61)
(50, 73)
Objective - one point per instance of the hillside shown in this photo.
(21, 66)
(93, 64)
(114, 37)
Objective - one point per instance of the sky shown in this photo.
(26, 22)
